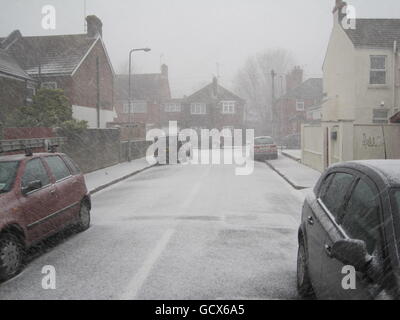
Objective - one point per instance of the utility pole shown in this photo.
(98, 90)
(273, 112)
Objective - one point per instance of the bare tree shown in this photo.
(254, 83)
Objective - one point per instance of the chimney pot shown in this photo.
(164, 70)
(94, 26)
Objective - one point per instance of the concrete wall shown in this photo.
(312, 145)
(341, 141)
(92, 149)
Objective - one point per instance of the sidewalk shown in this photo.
(295, 173)
(294, 154)
(103, 178)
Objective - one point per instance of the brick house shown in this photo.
(78, 64)
(16, 86)
(213, 107)
(297, 105)
(148, 93)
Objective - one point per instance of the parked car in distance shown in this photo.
(292, 141)
(162, 154)
(265, 148)
(40, 194)
(350, 226)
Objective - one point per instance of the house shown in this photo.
(148, 93)
(213, 107)
(361, 70)
(360, 94)
(297, 105)
(78, 64)
(16, 86)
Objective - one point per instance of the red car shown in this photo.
(40, 194)
(265, 148)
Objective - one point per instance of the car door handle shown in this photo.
(52, 192)
(328, 250)
(310, 220)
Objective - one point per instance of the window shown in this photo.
(228, 107)
(34, 170)
(361, 220)
(8, 171)
(263, 140)
(198, 108)
(72, 166)
(125, 108)
(378, 70)
(139, 107)
(380, 115)
(57, 167)
(49, 85)
(31, 91)
(334, 194)
(136, 107)
(299, 105)
(172, 107)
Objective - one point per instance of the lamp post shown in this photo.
(130, 94)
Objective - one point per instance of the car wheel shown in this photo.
(11, 256)
(84, 217)
(304, 286)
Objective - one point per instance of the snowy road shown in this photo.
(177, 232)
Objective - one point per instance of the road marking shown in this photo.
(140, 277)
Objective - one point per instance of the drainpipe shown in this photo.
(394, 75)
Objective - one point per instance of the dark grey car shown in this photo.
(351, 222)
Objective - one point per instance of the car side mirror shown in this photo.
(32, 185)
(352, 252)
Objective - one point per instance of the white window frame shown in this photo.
(172, 107)
(198, 108)
(135, 107)
(228, 107)
(298, 104)
(49, 85)
(377, 70)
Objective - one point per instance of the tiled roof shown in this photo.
(379, 33)
(149, 87)
(10, 67)
(55, 54)
(206, 95)
(309, 89)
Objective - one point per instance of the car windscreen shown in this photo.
(8, 171)
(263, 140)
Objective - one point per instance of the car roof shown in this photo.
(22, 156)
(388, 170)
(263, 137)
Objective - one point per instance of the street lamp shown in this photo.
(130, 94)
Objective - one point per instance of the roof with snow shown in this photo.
(380, 33)
(55, 55)
(10, 67)
(208, 94)
(309, 89)
(149, 87)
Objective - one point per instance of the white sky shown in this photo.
(192, 36)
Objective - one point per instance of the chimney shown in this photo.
(337, 10)
(164, 70)
(12, 37)
(215, 87)
(94, 26)
(294, 78)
